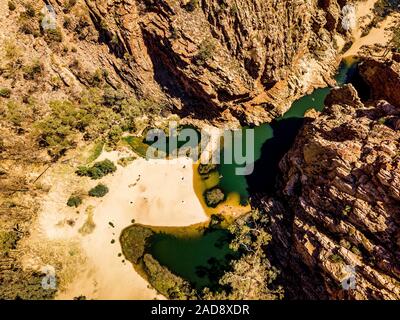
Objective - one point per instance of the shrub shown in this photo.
(54, 35)
(395, 41)
(96, 151)
(97, 78)
(29, 10)
(11, 6)
(30, 27)
(356, 251)
(192, 5)
(5, 92)
(214, 196)
(335, 258)
(125, 161)
(33, 70)
(69, 5)
(347, 209)
(74, 201)
(8, 240)
(133, 242)
(137, 145)
(98, 191)
(98, 170)
(164, 281)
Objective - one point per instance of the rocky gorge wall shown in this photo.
(222, 61)
(341, 186)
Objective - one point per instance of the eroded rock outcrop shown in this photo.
(222, 61)
(342, 183)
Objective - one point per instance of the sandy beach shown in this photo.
(156, 192)
(377, 35)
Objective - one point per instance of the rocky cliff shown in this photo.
(341, 183)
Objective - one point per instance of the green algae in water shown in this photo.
(199, 259)
(203, 259)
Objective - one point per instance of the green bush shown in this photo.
(192, 5)
(214, 196)
(204, 169)
(98, 170)
(8, 240)
(134, 241)
(205, 52)
(5, 92)
(74, 201)
(30, 11)
(335, 258)
(98, 191)
(54, 35)
(69, 5)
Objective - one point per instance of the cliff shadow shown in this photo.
(174, 85)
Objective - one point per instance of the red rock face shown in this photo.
(240, 60)
(342, 181)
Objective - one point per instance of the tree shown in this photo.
(98, 191)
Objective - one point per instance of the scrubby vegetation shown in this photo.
(96, 151)
(11, 5)
(395, 41)
(191, 5)
(214, 196)
(98, 191)
(5, 92)
(98, 170)
(97, 116)
(8, 240)
(252, 275)
(205, 169)
(125, 161)
(89, 225)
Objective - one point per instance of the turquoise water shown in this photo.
(280, 133)
(198, 259)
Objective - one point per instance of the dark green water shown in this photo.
(202, 259)
(198, 259)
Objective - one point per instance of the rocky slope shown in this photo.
(341, 181)
(227, 60)
(114, 62)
